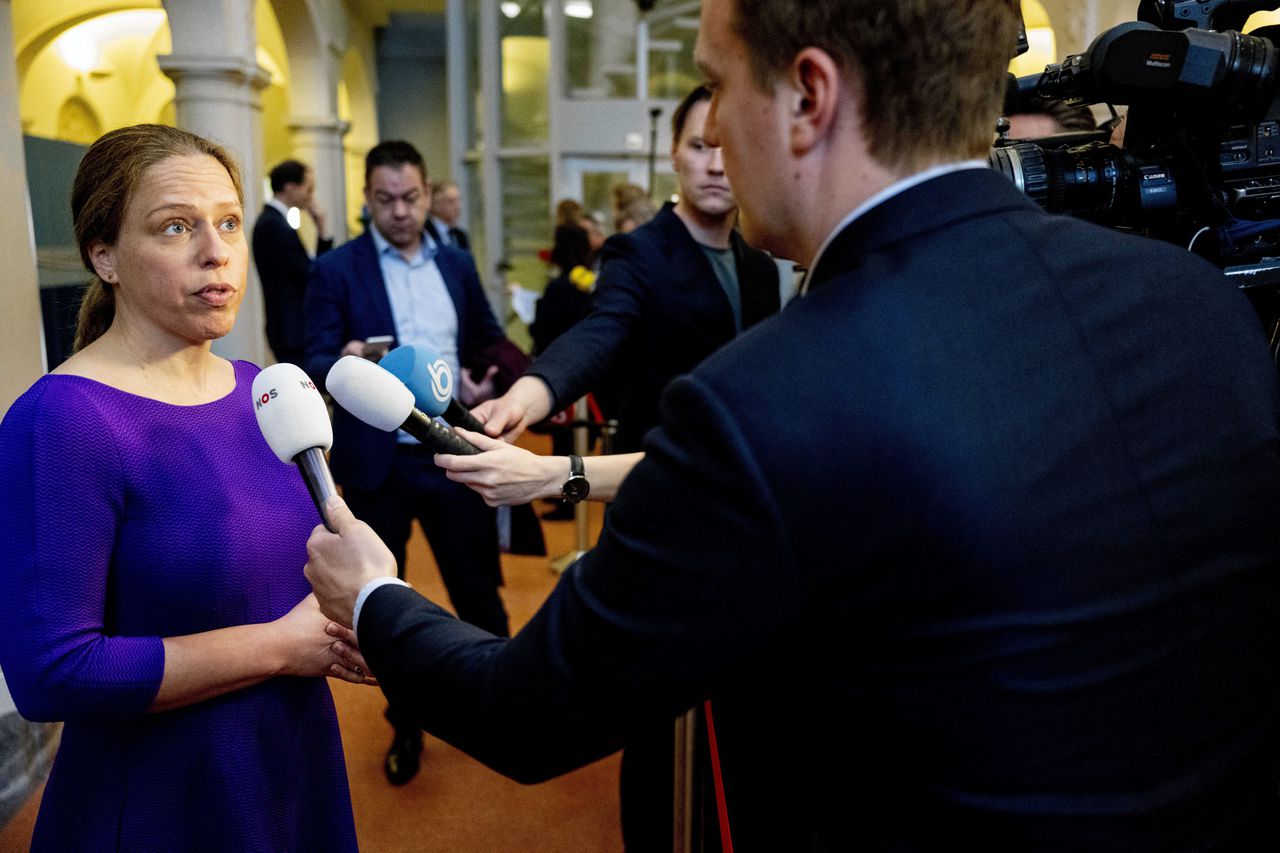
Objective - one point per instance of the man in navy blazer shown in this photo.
(393, 281)
(972, 547)
(283, 262)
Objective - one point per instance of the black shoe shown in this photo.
(403, 757)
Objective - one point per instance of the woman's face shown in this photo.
(178, 267)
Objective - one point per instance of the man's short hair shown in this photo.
(288, 172)
(1066, 115)
(438, 187)
(678, 118)
(394, 153)
(932, 74)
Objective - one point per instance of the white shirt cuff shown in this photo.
(364, 593)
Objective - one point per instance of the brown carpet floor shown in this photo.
(456, 804)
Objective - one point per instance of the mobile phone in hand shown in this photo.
(376, 347)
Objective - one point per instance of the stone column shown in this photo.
(219, 97)
(26, 749)
(316, 36)
(219, 87)
(317, 141)
(21, 331)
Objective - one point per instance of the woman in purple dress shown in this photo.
(151, 580)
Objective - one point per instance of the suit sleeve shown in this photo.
(327, 328)
(678, 596)
(577, 361)
(65, 489)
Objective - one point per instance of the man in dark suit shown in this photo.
(395, 281)
(669, 294)
(972, 547)
(283, 261)
(446, 210)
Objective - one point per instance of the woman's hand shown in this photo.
(503, 474)
(316, 646)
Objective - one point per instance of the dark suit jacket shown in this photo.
(346, 301)
(459, 235)
(657, 311)
(972, 547)
(282, 264)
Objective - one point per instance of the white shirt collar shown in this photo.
(884, 195)
(381, 244)
(280, 206)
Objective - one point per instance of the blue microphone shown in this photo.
(428, 376)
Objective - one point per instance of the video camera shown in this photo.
(1200, 159)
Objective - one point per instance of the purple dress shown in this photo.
(127, 520)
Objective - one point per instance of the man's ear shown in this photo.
(103, 258)
(814, 79)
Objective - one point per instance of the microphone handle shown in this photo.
(458, 416)
(436, 438)
(315, 473)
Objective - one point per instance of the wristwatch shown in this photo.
(576, 487)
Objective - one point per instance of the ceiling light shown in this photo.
(578, 8)
(81, 46)
(510, 9)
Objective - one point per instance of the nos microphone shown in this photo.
(379, 399)
(428, 376)
(294, 421)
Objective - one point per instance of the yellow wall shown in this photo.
(357, 105)
(126, 86)
(276, 142)
(1042, 45)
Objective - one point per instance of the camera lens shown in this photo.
(1089, 179)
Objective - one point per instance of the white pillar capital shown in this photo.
(319, 126)
(317, 141)
(216, 77)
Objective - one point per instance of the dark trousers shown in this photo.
(647, 791)
(460, 529)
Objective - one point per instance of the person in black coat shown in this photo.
(446, 210)
(973, 546)
(661, 304)
(563, 303)
(282, 260)
(669, 294)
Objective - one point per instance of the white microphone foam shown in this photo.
(370, 393)
(290, 411)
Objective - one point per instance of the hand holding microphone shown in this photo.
(294, 421)
(429, 378)
(378, 398)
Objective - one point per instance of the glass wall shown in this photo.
(600, 52)
(475, 93)
(472, 184)
(526, 221)
(525, 61)
(673, 29)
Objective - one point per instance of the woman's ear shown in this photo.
(815, 81)
(103, 258)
